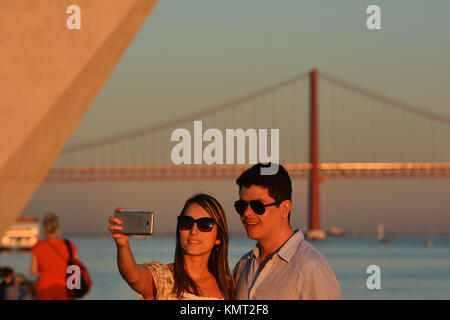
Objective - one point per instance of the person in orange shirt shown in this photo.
(50, 259)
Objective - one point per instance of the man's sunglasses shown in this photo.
(257, 206)
(203, 224)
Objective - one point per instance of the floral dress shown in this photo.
(164, 283)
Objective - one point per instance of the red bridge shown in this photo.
(362, 134)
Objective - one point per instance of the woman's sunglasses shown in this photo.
(257, 206)
(203, 224)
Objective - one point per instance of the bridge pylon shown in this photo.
(314, 231)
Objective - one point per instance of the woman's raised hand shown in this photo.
(114, 225)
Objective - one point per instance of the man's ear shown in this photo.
(285, 206)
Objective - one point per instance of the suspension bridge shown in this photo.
(362, 135)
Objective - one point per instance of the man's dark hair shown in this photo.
(279, 185)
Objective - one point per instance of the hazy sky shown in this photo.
(192, 55)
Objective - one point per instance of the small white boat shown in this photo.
(380, 234)
(316, 235)
(23, 234)
(335, 231)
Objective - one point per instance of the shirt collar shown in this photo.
(290, 246)
(287, 250)
(255, 253)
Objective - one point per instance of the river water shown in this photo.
(409, 269)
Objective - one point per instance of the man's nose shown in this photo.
(248, 212)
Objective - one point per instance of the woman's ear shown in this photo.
(217, 242)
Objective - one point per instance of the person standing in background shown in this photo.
(50, 258)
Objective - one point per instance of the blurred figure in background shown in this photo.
(11, 285)
(50, 258)
(27, 287)
(30, 289)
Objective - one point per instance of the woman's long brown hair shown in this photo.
(218, 259)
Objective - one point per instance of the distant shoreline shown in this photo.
(349, 234)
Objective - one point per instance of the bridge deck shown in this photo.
(218, 172)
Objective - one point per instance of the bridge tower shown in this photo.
(314, 231)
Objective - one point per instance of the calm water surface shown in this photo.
(409, 269)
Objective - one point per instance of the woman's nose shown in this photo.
(194, 229)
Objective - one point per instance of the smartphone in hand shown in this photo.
(135, 222)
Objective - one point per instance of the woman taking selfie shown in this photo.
(200, 270)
